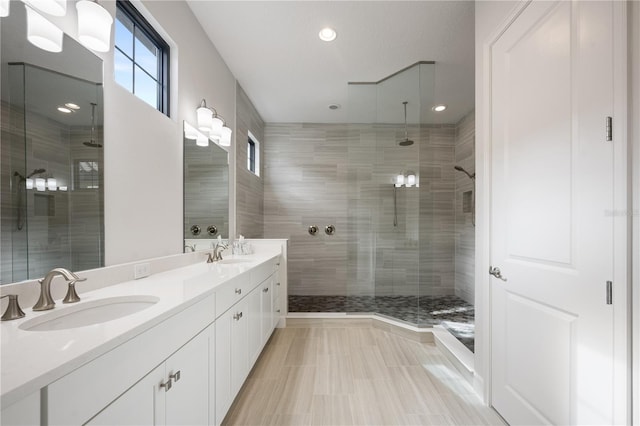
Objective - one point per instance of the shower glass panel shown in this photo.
(53, 162)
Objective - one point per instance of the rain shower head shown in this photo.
(406, 141)
(92, 142)
(461, 169)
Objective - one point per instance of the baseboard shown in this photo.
(459, 355)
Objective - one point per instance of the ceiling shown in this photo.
(290, 75)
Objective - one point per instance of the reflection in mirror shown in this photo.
(206, 191)
(52, 196)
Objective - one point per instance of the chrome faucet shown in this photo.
(217, 252)
(45, 302)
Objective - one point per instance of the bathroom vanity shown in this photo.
(180, 357)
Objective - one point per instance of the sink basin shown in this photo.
(233, 261)
(89, 313)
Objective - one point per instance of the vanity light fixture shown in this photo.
(4, 8)
(213, 123)
(52, 184)
(40, 184)
(327, 34)
(439, 108)
(42, 33)
(94, 25)
(50, 7)
(408, 180)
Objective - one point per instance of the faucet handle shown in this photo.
(13, 309)
(72, 295)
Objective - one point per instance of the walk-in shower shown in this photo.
(403, 246)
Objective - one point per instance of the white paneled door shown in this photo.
(551, 223)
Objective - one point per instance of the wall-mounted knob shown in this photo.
(329, 229)
(313, 230)
(212, 230)
(195, 229)
(238, 291)
(13, 308)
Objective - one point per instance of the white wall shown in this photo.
(489, 16)
(143, 147)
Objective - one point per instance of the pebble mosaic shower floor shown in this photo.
(451, 312)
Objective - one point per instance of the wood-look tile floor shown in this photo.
(347, 372)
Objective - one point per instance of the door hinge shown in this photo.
(609, 293)
(609, 127)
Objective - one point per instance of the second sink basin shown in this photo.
(233, 261)
(89, 313)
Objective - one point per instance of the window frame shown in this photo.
(140, 23)
(253, 146)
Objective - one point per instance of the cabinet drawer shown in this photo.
(263, 271)
(232, 292)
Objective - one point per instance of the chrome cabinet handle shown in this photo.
(175, 376)
(238, 291)
(495, 271)
(265, 290)
(237, 316)
(166, 385)
(278, 284)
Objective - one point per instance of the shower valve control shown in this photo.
(313, 230)
(330, 230)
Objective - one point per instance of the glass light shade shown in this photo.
(205, 117)
(411, 180)
(190, 132)
(216, 128)
(51, 7)
(202, 140)
(52, 184)
(94, 25)
(29, 183)
(40, 184)
(4, 8)
(63, 188)
(42, 33)
(225, 139)
(399, 180)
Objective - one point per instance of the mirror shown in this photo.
(52, 195)
(206, 193)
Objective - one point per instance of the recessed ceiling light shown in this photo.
(65, 109)
(327, 34)
(334, 106)
(439, 108)
(71, 105)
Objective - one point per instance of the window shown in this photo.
(253, 155)
(141, 58)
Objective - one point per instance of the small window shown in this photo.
(253, 155)
(141, 58)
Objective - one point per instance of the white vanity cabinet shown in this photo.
(174, 393)
(104, 390)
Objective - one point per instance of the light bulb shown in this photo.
(40, 184)
(399, 180)
(52, 184)
(411, 180)
(29, 183)
(205, 117)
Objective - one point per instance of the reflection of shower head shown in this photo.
(92, 142)
(461, 169)
(406, 141)
(35, 172)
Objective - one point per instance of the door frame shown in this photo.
(621, 220)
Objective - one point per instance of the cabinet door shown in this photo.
(187, 402)
(223, 395)
(137, 406)
(254, 323)
(239, 346)
(267, 309)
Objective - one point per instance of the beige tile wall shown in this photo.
(249, 187)
(320, 174)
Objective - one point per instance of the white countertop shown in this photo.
(30, 360)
